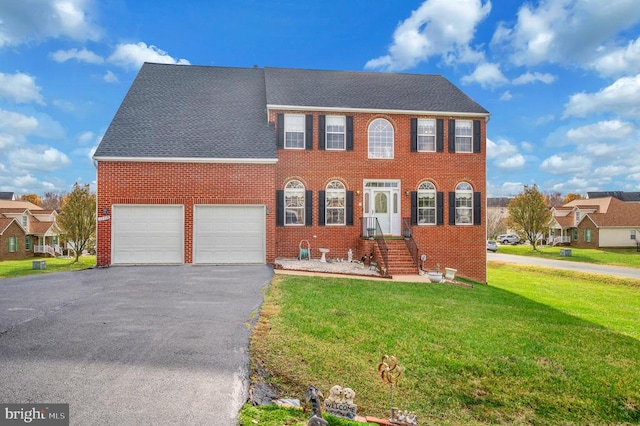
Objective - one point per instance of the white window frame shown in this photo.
(335, 193)
(632, 234)
(25, 221)
(588, 236)
(464, 204)
(381, 138)
(426, 135)
(291, 128)
(464, 134)
(28, 243)
(294, 202)
(427, 190)
(332, 131)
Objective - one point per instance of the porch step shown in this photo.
(399, 258)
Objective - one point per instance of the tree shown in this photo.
(78, 218)
(529, 215)
(32, 198)
(53, 201)
(570, 197)
(495, 224)
(554, 199)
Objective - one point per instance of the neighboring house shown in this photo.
(6, 196)
(239, 165)
(629, 197)
(596, 222)
(38, 232)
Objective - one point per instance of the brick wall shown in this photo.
(13, 230)
(460, 247)
(587, 224)
(185, 184)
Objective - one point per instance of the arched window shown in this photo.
(294, 203)
(335, 203)
(426, 204)
(380, 139)
(464, 204)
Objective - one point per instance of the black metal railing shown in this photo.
(407, 233)
(371, 229)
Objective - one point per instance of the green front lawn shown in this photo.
(533, 347)
(18, 268)
(629, 257)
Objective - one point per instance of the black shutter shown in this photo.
(414, 135)
(452, 135)
(322, 128)
(349, 218)
(349, 133)
(477, 209)
(452, 208)
(476, 136)
(440, 207)
(439, 135)
(308, 207)
(322, 221)
(280, 130)
(309, 133)
(414, 207)
(279, 207)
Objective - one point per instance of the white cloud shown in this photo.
(20, 88)
(612, 129)
(15, 123)
(619, 61)
(437, 28)
(82, 55)
(564, 31)
(621, 98)
(566, 163)
(532, 77)
(487, 75)
(527, 146)
(85, 137)
(511, 163)
(499, 149)
(133, 55)
(110, 77)
(35, 20)
(506, 96)
(37, 159)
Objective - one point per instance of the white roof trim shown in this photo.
(189, 160)
(375, 110)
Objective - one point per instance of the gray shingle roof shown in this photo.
(180, 111)
(366, 90)
(201, 112)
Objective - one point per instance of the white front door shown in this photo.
(382, 201)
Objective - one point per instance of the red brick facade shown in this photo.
(461, 247)
(185, 184)
(14, 230)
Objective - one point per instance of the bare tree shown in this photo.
(529, 215)
(554, 199)
(496, 223)
(53, 201)
(78, 218)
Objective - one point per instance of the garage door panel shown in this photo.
(147, 234)
(229, 234)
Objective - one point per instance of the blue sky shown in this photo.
(561, 78)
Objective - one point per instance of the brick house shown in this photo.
(596, 222)
(239, 165)
(27, 231)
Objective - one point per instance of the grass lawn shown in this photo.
(629, 257)
(532, 347)
(18, 268)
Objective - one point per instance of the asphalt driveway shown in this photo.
(162, 345)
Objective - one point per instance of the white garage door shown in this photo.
(229, 234)
(144, 234)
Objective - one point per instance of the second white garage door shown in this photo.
(229, 234)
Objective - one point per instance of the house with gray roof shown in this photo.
(223, 165)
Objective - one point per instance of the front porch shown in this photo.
(51, 250)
